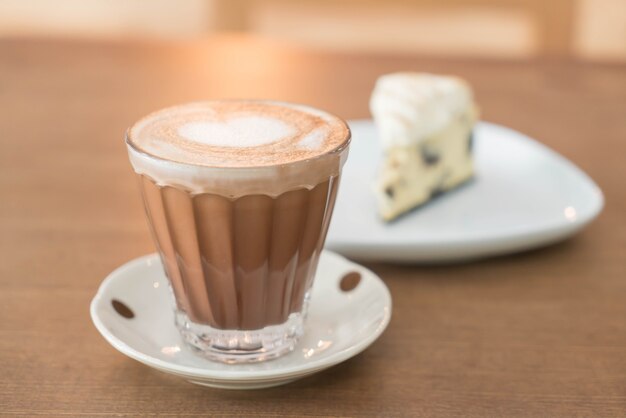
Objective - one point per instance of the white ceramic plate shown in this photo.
(524, 195)
(340, 325)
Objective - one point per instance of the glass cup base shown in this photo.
(241, 346)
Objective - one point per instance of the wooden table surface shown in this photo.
(536, 334)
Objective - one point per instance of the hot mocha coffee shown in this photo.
(239, 196)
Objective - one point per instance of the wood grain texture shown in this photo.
(536, 334)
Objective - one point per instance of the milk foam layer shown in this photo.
(238, 133)
(409, 107)
(238, 147)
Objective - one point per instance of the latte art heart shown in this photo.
(237, 132)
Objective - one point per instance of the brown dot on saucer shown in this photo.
(350, 281)
(122, 309)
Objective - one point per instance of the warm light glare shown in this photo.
(570, 213)
(321, 346)
(170, 351)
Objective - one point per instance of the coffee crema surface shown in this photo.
(238, 133)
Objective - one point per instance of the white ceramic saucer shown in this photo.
(340, 325)
(524, 195)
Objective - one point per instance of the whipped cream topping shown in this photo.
(409, 107)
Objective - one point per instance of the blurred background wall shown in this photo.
(583, 29)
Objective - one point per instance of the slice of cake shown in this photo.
(425, 124)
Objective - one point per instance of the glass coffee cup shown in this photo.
(239, 196)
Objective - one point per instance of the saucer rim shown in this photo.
(239, 375)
